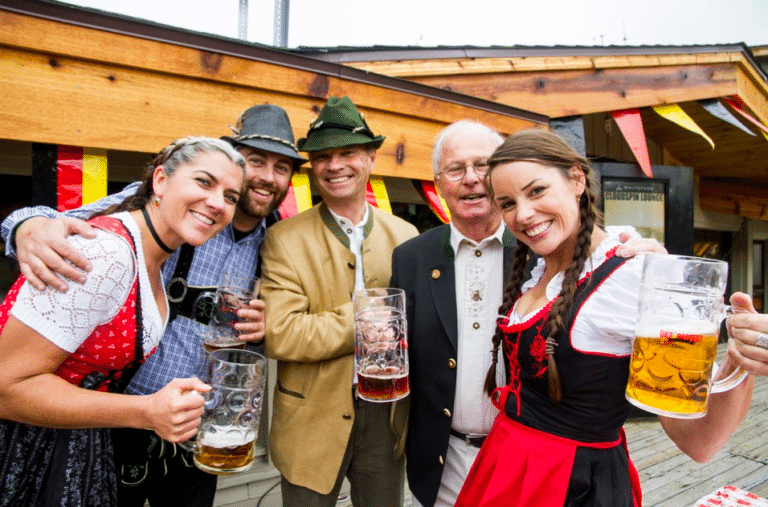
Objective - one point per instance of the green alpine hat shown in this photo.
(339, 124)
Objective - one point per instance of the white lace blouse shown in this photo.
(68, 318)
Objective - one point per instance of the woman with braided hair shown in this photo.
(65, 356)
(566, 334)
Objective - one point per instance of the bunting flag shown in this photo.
(376, 194)
(717, 109)
(66, 177)
(428, 192)
(81, 176)
(298, 198)
(631, 125)
(675, 114)
(736, 103)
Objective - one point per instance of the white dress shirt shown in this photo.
(479, 269)
(356, 235)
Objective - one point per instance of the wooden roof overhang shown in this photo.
(83, 77)
(563, 81)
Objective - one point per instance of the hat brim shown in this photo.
(336, 138)
(267, 145)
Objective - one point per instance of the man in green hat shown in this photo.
(321, 431)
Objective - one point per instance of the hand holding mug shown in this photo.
(174, 411)
(251, 321)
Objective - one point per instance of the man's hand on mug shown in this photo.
(43, 251)
(251, 325)
(748, 332)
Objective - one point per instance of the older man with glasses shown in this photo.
(453, 279)
(452, 276)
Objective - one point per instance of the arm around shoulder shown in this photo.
(37, 239)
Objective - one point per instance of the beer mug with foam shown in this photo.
(679, 314)
(381, 348)
(226, 437)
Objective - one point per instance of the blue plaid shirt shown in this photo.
(178, 355)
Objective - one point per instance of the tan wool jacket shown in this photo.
(308, 276)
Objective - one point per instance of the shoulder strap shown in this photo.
(177, 285)
(593, 280)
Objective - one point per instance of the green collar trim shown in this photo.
(333, 226)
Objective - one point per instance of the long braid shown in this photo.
(565, 299)
(511, 293)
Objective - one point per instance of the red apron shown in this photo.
(520, 466)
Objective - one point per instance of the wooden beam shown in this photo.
(749, 191)
(753, 90)
(410, 69)
(68, 84)
(566, 93)
(737, 200)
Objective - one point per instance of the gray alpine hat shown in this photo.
(267, 128)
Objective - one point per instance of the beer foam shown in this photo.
(227, 437)
(660, 327)
(377, 314)
(383, 373)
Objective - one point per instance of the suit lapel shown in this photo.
(510, 243)
(443, 287)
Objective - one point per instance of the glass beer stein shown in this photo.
(679, 314)
(381, 349)
(226, 438)
(234, 292)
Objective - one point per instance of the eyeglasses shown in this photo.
(457, 172)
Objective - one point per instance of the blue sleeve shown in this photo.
(83, 212)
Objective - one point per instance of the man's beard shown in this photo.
(248, 208)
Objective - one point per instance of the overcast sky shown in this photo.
(474, 22)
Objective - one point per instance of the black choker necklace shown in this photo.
(154, 232)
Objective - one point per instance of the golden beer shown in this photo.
(670, 373)
(225, 453)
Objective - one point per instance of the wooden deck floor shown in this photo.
(671, 479)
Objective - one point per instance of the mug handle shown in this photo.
(196, 306)
(735, 378)
(729, 382)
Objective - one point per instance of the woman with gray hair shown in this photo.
(65, 356)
